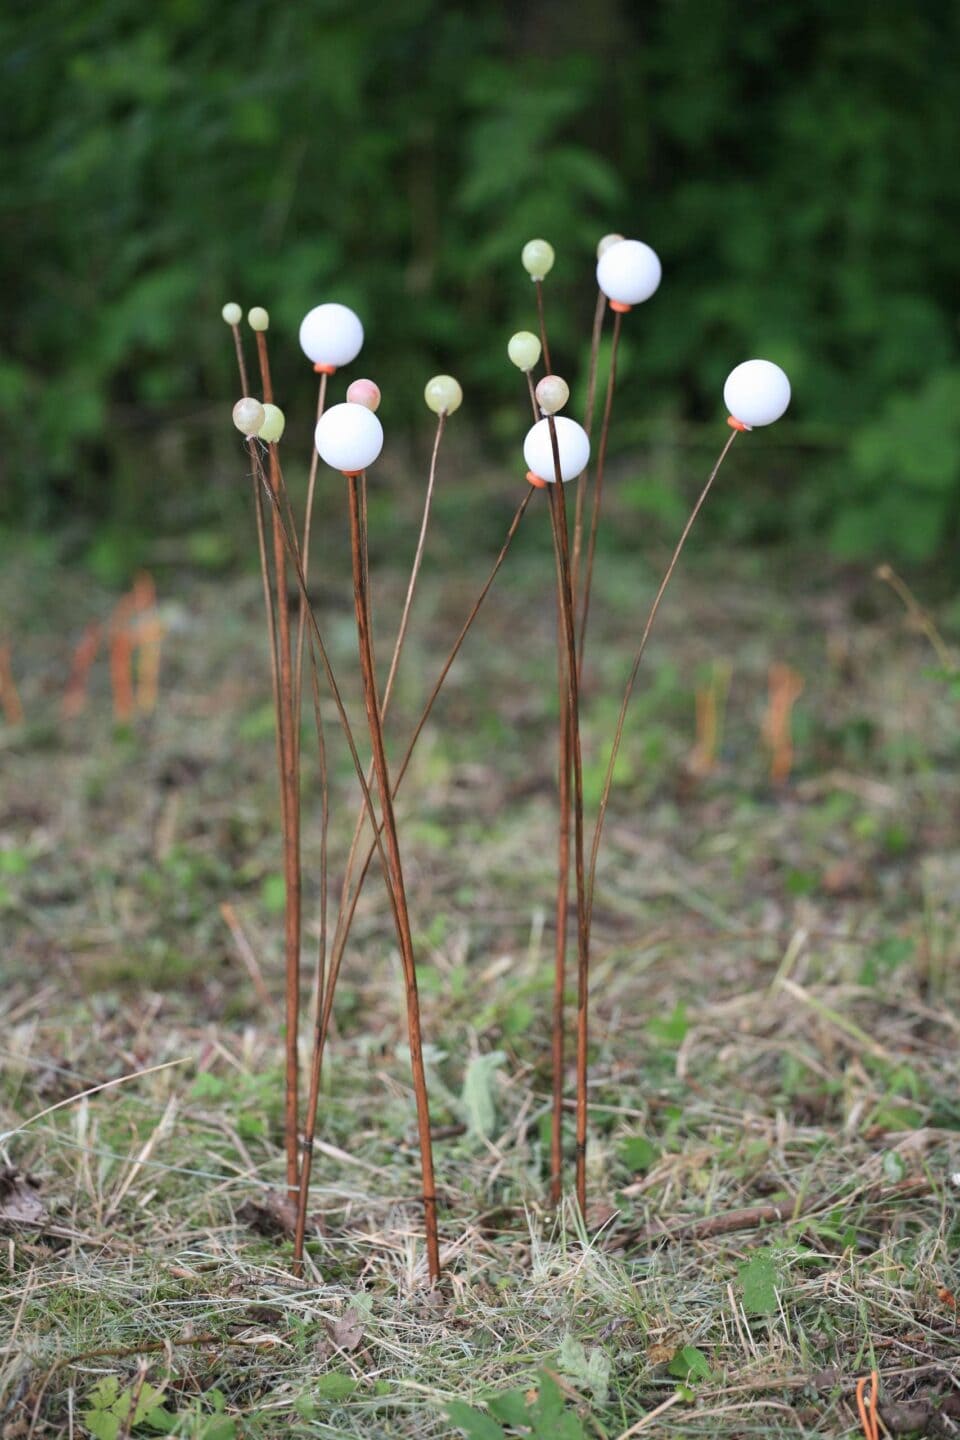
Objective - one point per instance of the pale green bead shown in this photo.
(553, 392)
(273, 422)
(443, 395)
(538, 258)
(524, 350)
(248, 416)
(257, 318)
(606, 242)
(232, 313)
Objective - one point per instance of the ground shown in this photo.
(774, 1006)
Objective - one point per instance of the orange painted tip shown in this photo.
(325, 369)
(619, 306)
(737, 424)
(535, 481)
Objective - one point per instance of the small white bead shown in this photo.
(756, 392)
(331, 335)
(573, 445)
(232, 313)
(628, 272)
(258, 319)
(349, 437)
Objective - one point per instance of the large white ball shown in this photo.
(628, 272)
(349, 437)
(331, 335)
(757, 392)
(573, 444)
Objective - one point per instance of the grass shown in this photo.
(775, 1025)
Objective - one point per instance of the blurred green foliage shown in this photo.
(794, 165)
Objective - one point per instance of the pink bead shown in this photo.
(364, 392)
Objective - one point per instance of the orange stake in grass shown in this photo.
(9, 696)
(785, 688)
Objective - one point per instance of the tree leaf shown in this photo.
(758, 1277)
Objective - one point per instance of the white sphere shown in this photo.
(349, 437)
(757, 392)
(573, 444)
(331, 335)
(628, 272)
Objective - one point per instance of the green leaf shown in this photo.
(638, 1153)
(758, 1277)
(589, 1370)
(689, 1363)
(673, 1028)
(476, 1098)
(510, 1407)
(335, 1385)
(894, 1166)
(102, 1424)
(474, 1423)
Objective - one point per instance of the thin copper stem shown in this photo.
(342, 934)
(559, 513)
(598, 317)
(543, 329)
(563, 900)
(404, 936)
(317, 643)
(290, 784)
(395, 661)
(307, 524)
(241, 363)
(631, 681)
(598, 481)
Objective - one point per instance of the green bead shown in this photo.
(248, 416)
(273, 422)
(524, 350)
(538, 258)
(604, 244)
(257, 318)
(232, 313)
(443, 395)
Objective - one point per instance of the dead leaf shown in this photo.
(20, 1202)
(347, 1332)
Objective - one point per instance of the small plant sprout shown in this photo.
(572, 445)
(628, 272)
(232, 313)
(248, 416)
(258, 319)
(524, 350)
(273, 425)
(364, 392)
(756, 393)
(552, 394)
(349, 438)
(331, 336)
(443, 395)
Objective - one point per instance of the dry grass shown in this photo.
(776, 1016)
